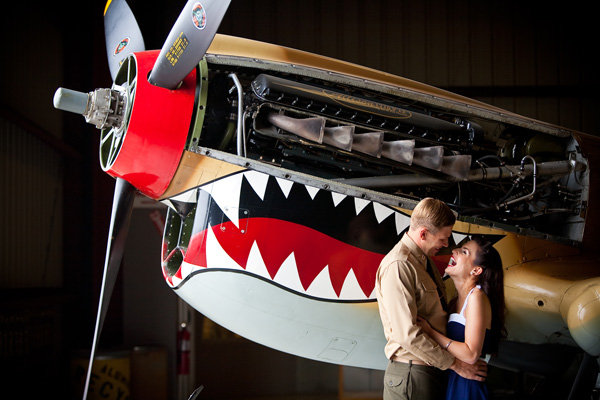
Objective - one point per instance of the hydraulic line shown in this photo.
(241, 142)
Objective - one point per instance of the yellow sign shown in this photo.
(109, 379)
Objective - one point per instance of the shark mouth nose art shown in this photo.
(314, 242)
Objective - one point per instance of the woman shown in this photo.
(475, 330)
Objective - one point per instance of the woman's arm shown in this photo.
(435, 335)
(478, 317)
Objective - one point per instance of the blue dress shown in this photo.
(459, 387)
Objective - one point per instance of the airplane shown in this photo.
(288, 176)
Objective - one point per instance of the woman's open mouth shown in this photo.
(451, 262)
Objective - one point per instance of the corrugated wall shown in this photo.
(31, 210)
(526, 56)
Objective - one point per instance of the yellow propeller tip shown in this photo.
(106, 6)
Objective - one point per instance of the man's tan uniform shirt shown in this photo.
(404, 290)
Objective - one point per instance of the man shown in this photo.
(407, 285)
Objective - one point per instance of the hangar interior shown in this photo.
(532, 58)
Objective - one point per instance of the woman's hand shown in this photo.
(432, 333)
(424, 324)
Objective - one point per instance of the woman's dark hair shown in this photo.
(491, 281)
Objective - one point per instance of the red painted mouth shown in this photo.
(277, 239)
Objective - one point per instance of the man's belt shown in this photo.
(407, 361)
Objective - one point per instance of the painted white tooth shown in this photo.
(351, 289)
(216, 257)
(373, 294)
(382, 212)
(186, 197)
(194, 267)
(321, 286)
(258, 181)
(226, 193)
(312, 191)
(285, 186)
(207, 187)
(255, 263)
(287, 275)
(176, 281)
(360, 204)
(168, 203)
(458, 237)
(402, 222)
(337, 198)
(186, 269)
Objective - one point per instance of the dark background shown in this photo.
(530, 57)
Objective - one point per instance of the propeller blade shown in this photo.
(122, 34)
(187, 42)
(117, 235)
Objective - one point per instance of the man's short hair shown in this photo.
(432, 214)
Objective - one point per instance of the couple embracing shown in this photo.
(435, 351)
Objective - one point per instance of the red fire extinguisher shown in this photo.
(183, 350)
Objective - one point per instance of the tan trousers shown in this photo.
(413, 382)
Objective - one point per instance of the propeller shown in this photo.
(185, 46)
(123, 37)
(117, 236)
(122, 34)
(187, 42)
